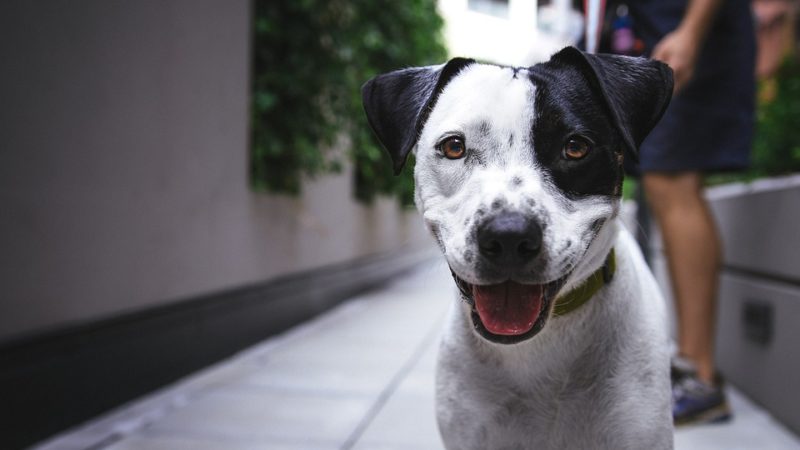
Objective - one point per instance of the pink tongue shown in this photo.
(509, 308)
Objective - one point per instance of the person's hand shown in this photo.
(678, 50)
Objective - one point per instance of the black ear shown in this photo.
(637, 91)
(398, 104)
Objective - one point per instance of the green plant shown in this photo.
(310, 59)
(776, 149)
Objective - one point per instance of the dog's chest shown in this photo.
(558, 409)
(576, 413)
(529, 420)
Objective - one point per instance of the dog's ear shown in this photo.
(398, 104)
(636, 91)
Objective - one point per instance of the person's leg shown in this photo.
(693, 253)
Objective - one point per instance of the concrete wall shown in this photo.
(124, 159)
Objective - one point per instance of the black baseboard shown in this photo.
(51, 382)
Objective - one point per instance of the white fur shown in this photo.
(595, 378)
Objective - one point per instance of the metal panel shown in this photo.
(759, 226)
(765, 369)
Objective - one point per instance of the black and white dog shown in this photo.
(558, 339)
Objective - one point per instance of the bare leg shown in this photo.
(693, 253)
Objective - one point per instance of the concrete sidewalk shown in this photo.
(359, 377)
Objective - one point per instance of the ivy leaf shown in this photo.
(265, 100)
(310, 58)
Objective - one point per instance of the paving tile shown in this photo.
(343, 351)
(323, 376)
(401, 318)
(203, 443)
(237, 412)
(751, 428)
(407, 420)
(422, 376)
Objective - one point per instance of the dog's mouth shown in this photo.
(509, 312)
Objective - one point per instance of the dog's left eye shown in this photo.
(576, 148)
(453, 147)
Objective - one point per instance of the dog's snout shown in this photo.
(510, 239)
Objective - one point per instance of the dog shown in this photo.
(557, 339)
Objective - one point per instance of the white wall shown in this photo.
(124, 159)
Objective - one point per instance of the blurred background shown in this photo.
(180, 180)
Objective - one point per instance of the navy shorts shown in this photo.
(708, 126)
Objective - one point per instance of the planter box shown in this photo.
(760, 226)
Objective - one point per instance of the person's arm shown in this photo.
(680, 48)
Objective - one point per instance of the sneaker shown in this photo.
(679, 368)
(697, 402)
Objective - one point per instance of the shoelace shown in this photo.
(692, 387)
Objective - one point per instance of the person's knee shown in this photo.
(665, 190)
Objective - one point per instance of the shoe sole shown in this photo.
(717, 414)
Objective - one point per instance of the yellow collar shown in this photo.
(575, 298)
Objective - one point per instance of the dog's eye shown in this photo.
(453, 147)
(576, 148)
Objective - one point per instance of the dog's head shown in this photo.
(518, 169)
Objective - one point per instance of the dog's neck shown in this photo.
(574, 299)
(595, 256)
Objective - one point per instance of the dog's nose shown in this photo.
(510, 239)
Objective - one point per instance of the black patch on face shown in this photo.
(567, 106)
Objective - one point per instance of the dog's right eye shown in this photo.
(453, 147)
